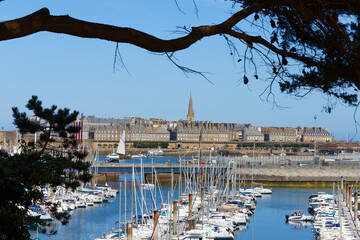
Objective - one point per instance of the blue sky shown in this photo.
(78, 73)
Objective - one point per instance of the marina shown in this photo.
(267, 223)
(207, 203)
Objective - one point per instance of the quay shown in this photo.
(267, 175)
(350, 207)
(115, 168)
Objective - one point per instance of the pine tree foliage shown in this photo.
(52, 161)
(326, 35)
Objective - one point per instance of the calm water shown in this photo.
(149, 160)
(267, 223)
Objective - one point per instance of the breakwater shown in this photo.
(268, 176)
(289, 171)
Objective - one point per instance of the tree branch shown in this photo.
(41, 20)
(260, 40)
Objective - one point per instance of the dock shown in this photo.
(267, 175)
(350, 208)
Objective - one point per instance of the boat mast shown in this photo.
(125, 208)
(252, 167)
(152, 160)
(171, 205)
(136, 206)
(119, 207)
(142, 175)
(244, 171)
(132, 195)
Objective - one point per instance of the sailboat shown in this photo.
(120, 152)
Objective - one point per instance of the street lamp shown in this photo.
(315, 117)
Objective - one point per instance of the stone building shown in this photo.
(191, 131)
(282, 134)
(8, 140)
(239, 130)
(103, 129)
(251, 134)
(185, 131)
(148, 131)
(136, 129)
(108, 133)
(321, 135)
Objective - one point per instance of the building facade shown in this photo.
(158, 130)
(318, 134)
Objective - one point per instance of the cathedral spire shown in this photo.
(190, 116)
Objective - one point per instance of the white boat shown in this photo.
(33, 214)
(147, 186)
(45, 216)
(89, 202)
(263, 190)
(297, 215)
(139, 156)
(251, 191)
(157, 153)
(96, 199)
(112, 157)
(80, 203)
(120, 151)
(239, 219)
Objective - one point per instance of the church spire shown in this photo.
(190, 116)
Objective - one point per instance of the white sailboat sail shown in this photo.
(121, 147)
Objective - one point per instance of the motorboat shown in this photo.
(112, 157)
(139, 156)
(157, 153)
(263, 190)
(256, 192)
(297, 215)
(147, 186)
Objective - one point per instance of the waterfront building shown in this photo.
(103, 129)
(109, 133)
(251, 134)
(8, 139)
(188, 131)
(296, 135)
(204, 131)
(136, 129)
(321, 135)
(282, 134)
(154, 130)
(239, 130)
(218, 132)
(95, 129)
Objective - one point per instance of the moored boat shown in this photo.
(157, 153)
(112, 157)
(297, 215)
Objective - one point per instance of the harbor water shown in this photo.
(147, 160)
(268, 222)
